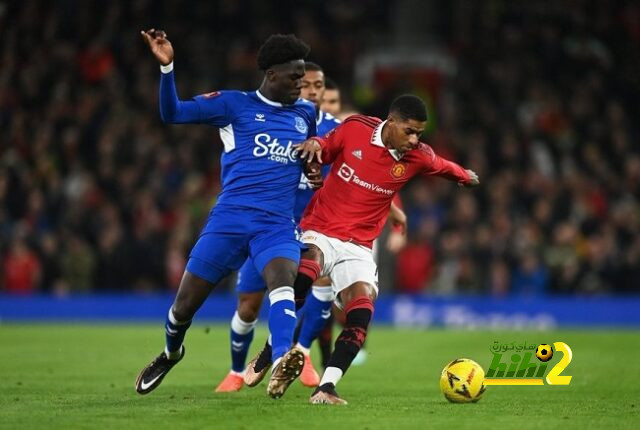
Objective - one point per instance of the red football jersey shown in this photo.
(353, 204)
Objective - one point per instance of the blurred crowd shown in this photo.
(97, 195)
(544, 107)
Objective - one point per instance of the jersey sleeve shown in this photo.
(218, 108)
(331, 144)
(437, 166)
(198, 110)
(172, 109)
(311, 120)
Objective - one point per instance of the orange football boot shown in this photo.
(232, 382)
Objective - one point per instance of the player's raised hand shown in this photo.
(309, 150)
(159, 45)
(473, 179)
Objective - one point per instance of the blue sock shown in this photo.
(300, 312)
(175, 331)
(282, 320)
(241, 337)
(318, 310)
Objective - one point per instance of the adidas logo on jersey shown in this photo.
(260, 117)
(358, 154)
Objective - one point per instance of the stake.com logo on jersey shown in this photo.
(266, 147)
(348, 174)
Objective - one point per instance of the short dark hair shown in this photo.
(310, 66)
(280, 49)
(330, 84)
(408, 106)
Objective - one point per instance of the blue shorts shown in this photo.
(249, 279)
(233, 234)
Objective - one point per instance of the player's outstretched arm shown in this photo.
(438, 166)
(159, 45)
(172, 110)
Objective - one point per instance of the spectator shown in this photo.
(21, 268)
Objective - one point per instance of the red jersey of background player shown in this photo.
(353, 204)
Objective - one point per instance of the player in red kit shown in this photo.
(372, 159)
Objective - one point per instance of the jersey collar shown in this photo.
(376, 140)
(266, 100)
(319, 118)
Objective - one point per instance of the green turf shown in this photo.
(81, 376)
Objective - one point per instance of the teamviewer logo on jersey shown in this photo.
(345, 172)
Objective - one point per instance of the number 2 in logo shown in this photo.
(554, 378)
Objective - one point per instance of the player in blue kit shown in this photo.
(251, 287)
(254, 210)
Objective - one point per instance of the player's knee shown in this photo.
(313, 253)
(282, 280)
(248, 314)
(308, 272)
(192, 293)
(183, 308)
(357, 291)
(279, 272)
(323, 281)
(182, 311)
(249, 307)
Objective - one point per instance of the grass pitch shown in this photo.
(82, 377)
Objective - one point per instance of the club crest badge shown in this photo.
(398, 170)
(301, 126)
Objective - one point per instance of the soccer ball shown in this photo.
(462, 381)
(544, 352)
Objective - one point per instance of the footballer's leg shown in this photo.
(317, 310)
(325, 339)
(241, 334)
(308, 272)
(213, 257)
(251, 288)
(279, 274)
(192, 293)
(358, 306)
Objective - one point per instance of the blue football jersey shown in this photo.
(324, 124)
(260, 168)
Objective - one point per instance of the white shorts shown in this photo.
(344, 262)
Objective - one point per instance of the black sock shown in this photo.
(301, 287)
(359, 313)
(308, 272)
(264, 359)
